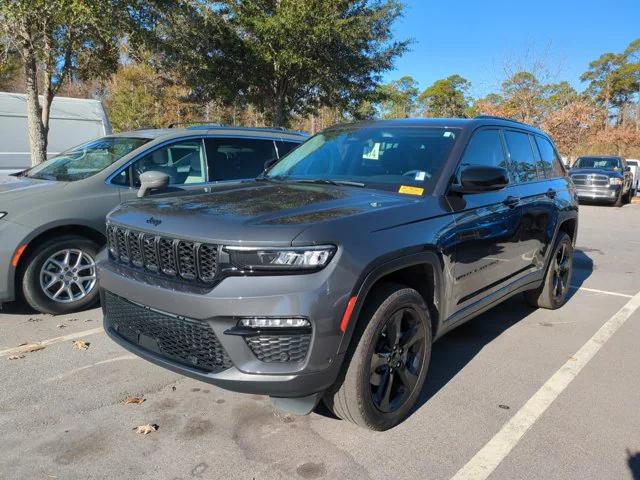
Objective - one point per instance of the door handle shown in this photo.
(511, 201)
(551, 193)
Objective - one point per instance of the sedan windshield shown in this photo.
(598, 162)
(375, 157)
(85, 160)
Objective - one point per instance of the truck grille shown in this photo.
(187, 342)
(590, 180)
(181, 259)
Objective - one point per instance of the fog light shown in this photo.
(262, 322)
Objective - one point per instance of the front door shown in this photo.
(487, 227)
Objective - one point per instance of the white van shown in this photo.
(72, 121)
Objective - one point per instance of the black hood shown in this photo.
(253, 212)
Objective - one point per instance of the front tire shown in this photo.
(60, 275)
(387, 362)
(552, 294)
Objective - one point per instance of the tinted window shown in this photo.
(285, 147)
(485, 148)
(237, 158)
(184, 162)
(549, 158)
(521, 156)
(380, 157)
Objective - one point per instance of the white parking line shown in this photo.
(603, 292)
(495, 450)
(70, 373)
(51, 341)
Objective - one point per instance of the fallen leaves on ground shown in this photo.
(80, 345)
(136, 400)
(16, 357)
(29, 347)
(146, 429)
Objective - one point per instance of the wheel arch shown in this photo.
(422, 271)
(43, 235)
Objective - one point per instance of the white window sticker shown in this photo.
(372, 153)
(420, 175)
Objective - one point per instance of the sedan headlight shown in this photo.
(3, 214)
(615, 181)
(295, 258)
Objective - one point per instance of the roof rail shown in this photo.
(497, 117)
(195, 123)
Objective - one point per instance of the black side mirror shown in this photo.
(478, 179)
(152, 180)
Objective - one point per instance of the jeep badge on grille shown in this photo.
(154, 221)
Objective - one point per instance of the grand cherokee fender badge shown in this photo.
(153, 221)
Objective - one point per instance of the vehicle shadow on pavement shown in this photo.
(633, 460)
(457, 348)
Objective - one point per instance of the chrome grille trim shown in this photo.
(170, 257)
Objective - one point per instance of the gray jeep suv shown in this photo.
(52, 216)
(329, 276)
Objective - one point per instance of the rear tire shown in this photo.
(552, 294)
(46, 266)
(386, 364)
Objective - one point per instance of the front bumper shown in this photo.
(11, 236)
(307, 296)
(598, 193)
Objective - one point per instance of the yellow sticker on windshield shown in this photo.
(411, 190)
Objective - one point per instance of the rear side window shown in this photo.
(237, 158)
(521, 156)
(485, 148)
(549, 157)
(285, 147)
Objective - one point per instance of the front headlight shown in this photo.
(615, 181)
(295, 258)
(3, 214)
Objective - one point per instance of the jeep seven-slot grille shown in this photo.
(181, 340)
(180, 259)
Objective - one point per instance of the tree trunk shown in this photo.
(37, 132)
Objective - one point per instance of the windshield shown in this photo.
(598, 162)
(376, 157)
(85, 160)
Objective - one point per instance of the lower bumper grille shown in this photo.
(188, 342)
(279, 348)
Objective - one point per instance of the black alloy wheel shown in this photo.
(397, 360)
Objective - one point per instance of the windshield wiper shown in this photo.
(326, 181)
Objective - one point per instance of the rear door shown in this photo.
(486, 254)
(537, 195)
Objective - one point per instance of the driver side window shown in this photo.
(184, 162)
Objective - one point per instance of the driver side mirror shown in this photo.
(152, 180)
(478, 179)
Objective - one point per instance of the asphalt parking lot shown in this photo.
(514, 394)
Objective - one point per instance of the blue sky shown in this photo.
(476, 38)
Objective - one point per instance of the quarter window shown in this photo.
(549, 158)
(521, 156)
(238, 158)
